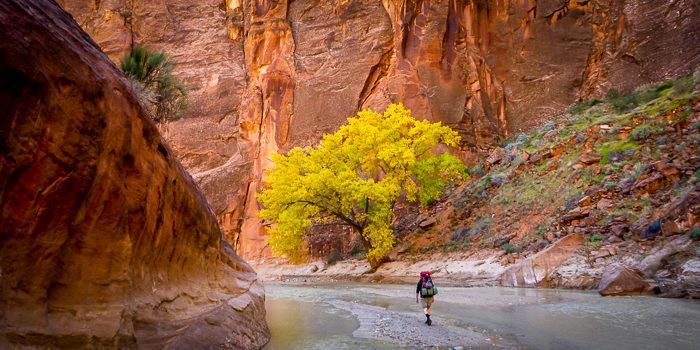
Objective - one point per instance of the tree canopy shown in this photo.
(356, 175)
(150, 73)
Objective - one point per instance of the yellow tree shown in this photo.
(355, 176)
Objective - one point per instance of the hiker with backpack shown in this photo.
(426, 290)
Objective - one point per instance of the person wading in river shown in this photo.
(426, 290)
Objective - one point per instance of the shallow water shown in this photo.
(361, 316)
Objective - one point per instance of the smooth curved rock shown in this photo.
(105, 241)
(620, 280)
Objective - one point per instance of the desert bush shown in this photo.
(581, 106)
(643, 131)
(695, 232)
(509, 248)
(151, 74)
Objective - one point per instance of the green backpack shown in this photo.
(428, 289)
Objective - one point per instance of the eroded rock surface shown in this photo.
(535, 270)
(623, 280)
(267, 75)
(105, 241)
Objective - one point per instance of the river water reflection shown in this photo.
(362, 316)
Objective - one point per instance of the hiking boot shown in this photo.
(429, 322)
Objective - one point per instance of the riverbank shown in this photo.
(348, 315)
(454, 270)
(643, 269)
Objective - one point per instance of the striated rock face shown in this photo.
(105, 241)
(267, 75)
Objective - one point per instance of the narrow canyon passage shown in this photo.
(362, 316)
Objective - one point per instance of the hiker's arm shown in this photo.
(418, 290)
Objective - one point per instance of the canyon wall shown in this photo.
(105, 240)
(266, 75)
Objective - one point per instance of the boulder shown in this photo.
(496, 156)
(535, 270)
(620, 280)
(105, 241)
(431, 221)
(589, 158)
(675, 267)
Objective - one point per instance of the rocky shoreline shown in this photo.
(560, 266)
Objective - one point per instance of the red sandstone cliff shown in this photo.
(105, 241)
(266, 75)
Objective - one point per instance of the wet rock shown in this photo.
(106, 242)
(618, 280)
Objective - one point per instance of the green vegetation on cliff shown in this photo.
(617, 170)
(158, 90)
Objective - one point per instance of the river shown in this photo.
(373, 316)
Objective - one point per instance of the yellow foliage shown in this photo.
(356, 175)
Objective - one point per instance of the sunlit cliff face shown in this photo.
(268, 75)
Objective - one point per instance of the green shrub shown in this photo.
(614, 147)
(482, 223)
(509, 248)
(160, 93)
(695, 232)
(334, 257)
(541, 231)
(683, 86)
(581, 106)
(624, 103)
(358, 252)
(637, 171)
(643, 131)
(595, 238)
(477, 170)
(612, 94)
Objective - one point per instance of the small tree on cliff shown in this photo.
(151, 74)
(355, 176)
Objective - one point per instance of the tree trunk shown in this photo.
(373, 264)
